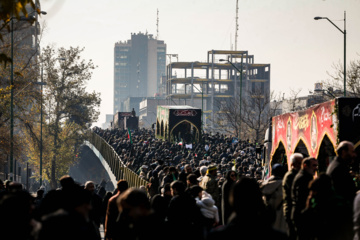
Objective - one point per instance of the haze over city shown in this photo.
(282, 33)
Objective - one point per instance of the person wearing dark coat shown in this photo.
(73, 222)
(300, 193)
(113, 211)
(342, 180)
(295, 164)
(339, 171)
(96, 204)
(171, 176)
(136, 220)
(249, 218)
(184, 173)
(230, 179)
(184, 216)
(326, 212)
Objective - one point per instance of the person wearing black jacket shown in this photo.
(339, 171)
(230, 179)
(184, 216)
(300, 193)
(295, 163)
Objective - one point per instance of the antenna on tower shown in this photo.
(157, 25)
(236, 23)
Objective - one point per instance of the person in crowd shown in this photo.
(295, 166)
(210, 184)
(96, 203)
(160, 202)
(112, 210)
(16, 216)
(326, 212)
(203, 170)
(73, 222)
(154, 184)
(183, 214)
(191, 180)
(249, 217)
(136, 220)
(171, 176)
(185, 172)
(273, 196)
(207, 207)
(230, 179)
(300, 193)
(339, 171)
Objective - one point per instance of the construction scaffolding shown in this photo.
(205, 84)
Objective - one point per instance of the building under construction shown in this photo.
(208, 85)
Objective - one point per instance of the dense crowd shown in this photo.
(210, 190)
(143, 153)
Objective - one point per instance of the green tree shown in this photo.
(9, 9)
(25, 91)
(69, 108)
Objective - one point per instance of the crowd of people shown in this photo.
(210, 190)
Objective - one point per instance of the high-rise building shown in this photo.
(139, 64)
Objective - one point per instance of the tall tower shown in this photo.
(139, 64)
(236, 23)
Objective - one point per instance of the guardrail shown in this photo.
(117, 166)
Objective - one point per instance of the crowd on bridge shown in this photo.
(210, 190)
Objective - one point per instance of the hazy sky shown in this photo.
(280, 32)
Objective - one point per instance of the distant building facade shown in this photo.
(108, 120)
(148, 109)
(139, 64)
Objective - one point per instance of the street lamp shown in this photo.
(344, 33)
(240, 95)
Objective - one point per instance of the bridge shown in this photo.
(95, 147)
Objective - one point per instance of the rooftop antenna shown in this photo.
(236, 23)
(157, 25)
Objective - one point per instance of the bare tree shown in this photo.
(294, 100)
(257, 112)
(336, 82)
(253, 121)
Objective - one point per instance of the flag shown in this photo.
(129, 135)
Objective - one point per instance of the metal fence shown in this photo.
(118, 168)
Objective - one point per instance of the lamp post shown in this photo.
(240, 95)
(41, 89)
(344, 33)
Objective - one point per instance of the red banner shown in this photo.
(309, 126)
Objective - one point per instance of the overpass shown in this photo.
(111, 161)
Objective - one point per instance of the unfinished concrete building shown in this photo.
(208, 84)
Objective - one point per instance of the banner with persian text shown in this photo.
(308, 126)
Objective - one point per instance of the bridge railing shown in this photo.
(114, 161)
